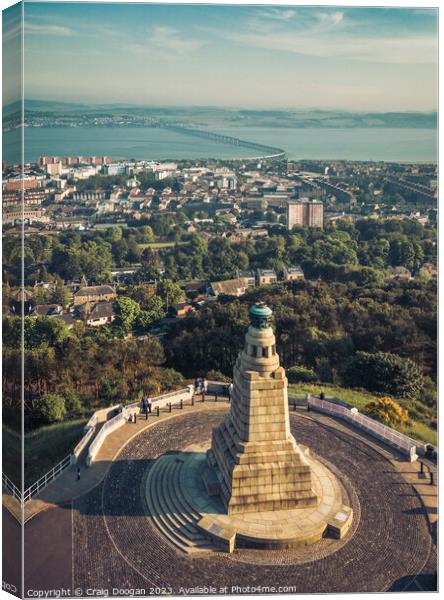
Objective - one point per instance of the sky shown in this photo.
(358, 59)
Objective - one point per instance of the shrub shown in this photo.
(51, 408)
(73, 402)
(300, 374)
(386, 411)
(385, 373)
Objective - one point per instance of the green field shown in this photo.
(44, 448)
(158, 245)
(359, 398)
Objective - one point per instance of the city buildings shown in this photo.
(305, 212)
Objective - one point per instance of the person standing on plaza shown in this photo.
(149, 403)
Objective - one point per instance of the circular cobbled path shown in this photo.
(117, 545)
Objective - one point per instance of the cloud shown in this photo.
(34, 29)
(278, 13)
(330, 18)
(402, 50)
(165, 42)
(168, 38)
(332, 34)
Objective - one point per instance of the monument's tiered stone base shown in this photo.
(256, 459)
(194, 521)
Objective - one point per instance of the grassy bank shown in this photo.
(44, 448)
(359, 398)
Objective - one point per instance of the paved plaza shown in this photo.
(101, 536)
(116, 544)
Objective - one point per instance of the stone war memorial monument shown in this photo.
(257, 461)
(255, 487)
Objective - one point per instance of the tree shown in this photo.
(73, 402)
(51, 408)
(142, 294)
(170, 292)
(44, 331)
(60, 295)
(386, 373)
(387, 411)
(154, 312)
(127, 311)
(151, 264)
(299, 374)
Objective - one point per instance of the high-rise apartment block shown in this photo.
(305, 212)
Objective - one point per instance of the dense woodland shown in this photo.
(349, 252)
(73, 372)
(382, 338)
(346, 324)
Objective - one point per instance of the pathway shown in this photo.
(67, 486)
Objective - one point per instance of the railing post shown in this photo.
(158, 410)
(192, 400)
(170, 406)
(181, 403)
(294, 405)
(432, 478)
(422, 466)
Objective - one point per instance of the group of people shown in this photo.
(146, 405)
(201, 386)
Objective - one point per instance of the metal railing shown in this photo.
(163, 400)
(11, 487)
(383, 432)
(89, 432)
(51, 475)
(109, 426)
(170, 399)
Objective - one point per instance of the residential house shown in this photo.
(293, 274)
(98, 314)
(94, 293)
(46, 310)
(230, 287)
(266, 276)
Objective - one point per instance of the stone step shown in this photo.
(153, 505)
(186, 517)
(169, 510)
(172, 508)
(186, 501)
(170, 516)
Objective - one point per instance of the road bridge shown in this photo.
(269, 152)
